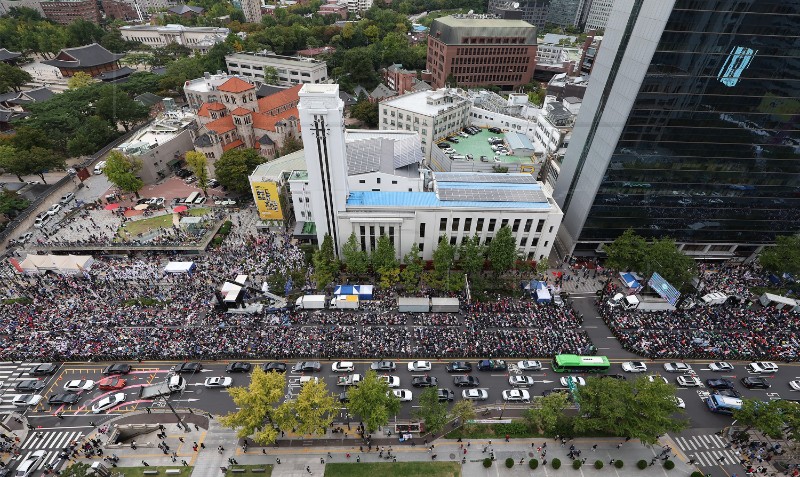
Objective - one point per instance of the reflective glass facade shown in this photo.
(710, 152)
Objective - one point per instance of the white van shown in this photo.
(41, 220)
(200, 200)
(98, 168)
(192, 197)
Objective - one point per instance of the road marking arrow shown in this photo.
(185, 400)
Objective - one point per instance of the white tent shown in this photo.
(64, 264)
(179, 267)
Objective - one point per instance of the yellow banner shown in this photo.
(267, 201)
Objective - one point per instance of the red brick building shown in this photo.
(67, 11)
(481, 50)
(120, 10)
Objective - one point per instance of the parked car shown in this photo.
(238, 367)
(189, 367)
(458, 367)
(25, 400)
(44, 369)
(516, 395)
(403, 394)
(29, 386)
(688, 381)
(307, 367)
(275, 367)
(677, 368)
(424, 382)
(445, 395)
(529, 365)
(475, 394)
(391, 381)
(466, 381)
(755, 383)
(108, 402)
(419, 366)
(520, 381)
(719, 383)
(64, 200)
(343, 367)
(762, 367)
(54, 209)
(117, 368)
(720, 366)
(634, 367)
(383, 366)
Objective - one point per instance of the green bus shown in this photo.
(572, 363)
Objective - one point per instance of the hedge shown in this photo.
(487, 462)
(533, 463)
(509, 462)
(642, 464)
(598, 464)
(669, 465)
(556, 463)
(576, 464)
(697, 473)
(618, 464)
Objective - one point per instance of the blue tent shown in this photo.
(364, 292)
(630, 280)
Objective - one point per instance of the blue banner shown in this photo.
(664, 289)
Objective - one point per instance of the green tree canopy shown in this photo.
(271, 75)
(257, 407)
(234, 167)
(121, 170)
(12, 78)
(546, 412)
(196, 161)
(463, 411)
(431, 410)
(79, 80)
(502, 251)
(354, 258)
(766, 417)
(325, 264)
(443, 257)
(383, 256)
(119, 108)
(632, 252)
(312, 412)
(372, 401)
(413, 270)
(784, 257)
(471, 256)
(365, 111)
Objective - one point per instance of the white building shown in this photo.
(433, 114)
(370, 183)
(598, 14)
(161, 144)
(358, 6)
(291, 69)
(200, 39)
(204, 90)
(251, 10)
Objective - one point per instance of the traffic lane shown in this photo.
(217, 401)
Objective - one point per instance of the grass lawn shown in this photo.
(145, 225)
(247, 473)
(199, 211)
(394, 469)
(139, 471)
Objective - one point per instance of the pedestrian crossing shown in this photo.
(708, 450)
(51, 441)
(10, 374)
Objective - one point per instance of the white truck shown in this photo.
(173, 384)
(349, 380)
(345, 302)
(311, 302)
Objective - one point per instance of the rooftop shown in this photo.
(478, 146)
(517, 140)
(274, 169)
(453, 29)
(208, 82)
(183, 9)
(417, 200)
(83, 57)
(268, 55)
(162, 130)
(428, 103)
(235, 85)
(175, 28)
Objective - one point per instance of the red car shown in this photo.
(111, 384)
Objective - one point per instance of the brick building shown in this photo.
(481, 50)
(67, 11)
(121, 10)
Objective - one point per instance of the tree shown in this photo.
(84, 32)
(626, 252)
(784, 257)
(388, 276)
(313, 410)
(545, 414)
(233, 168)
(413, 270)
(196, 161)
(664, 257)
(12, 162)
(12, 203)
(40, 160)
(12, 78)
(372, 401)
(325, 264)
(541, 267)
(472, 255)
(256, 407)
(366, 111)
(290, 145)
(443, 258)
(79, 80)
(383, 256)
(93, 134)
(78, 469)
(764, 416)
(641, 410)
(502, 251)
(271, 75)
(121, 171)
(355, 259)
(431, 410)
(120, 108)
(463, 411)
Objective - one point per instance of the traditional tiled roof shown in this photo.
(221, 125)
(267, 122)
(148, 99)
(235, 85)
(382, 91)
(116, 74)
(6, 55)
(37, 95)
(233, 145)
(83, 57)
(266, 141)
(183, 9)
(281, 98)
(203, 141)
(240, 111)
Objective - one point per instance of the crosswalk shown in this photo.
(707, 449)
(51, 441)
(10, 374)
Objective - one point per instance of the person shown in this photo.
(277, 460)
(308, 469)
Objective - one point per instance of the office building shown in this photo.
(291, 70)
(568, 13)
(598, 15)
(67, 11)
(250, 8)
(199, 39)
(358, 6)
(688, 129)
(534, 12)
(475, 50)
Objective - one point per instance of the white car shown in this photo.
(720, 367)
(475, 394)
(688, 381)
(634, 367)
(404, 395)
(516, 395)
(677, 367)
(108, 402)
(79, 385)
(343, 367)
(794, 385)
(29, 465)
(529, 365)
(520, 381)
(577, 379)
(679, 403)
(762, 367)
(217, 382)
(25, 400)
(419, 366)
(54, 209)
(64, 200)
(653, 377)
(391, 381)
(98, 168)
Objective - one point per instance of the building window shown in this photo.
(467, 224)
(523, 242)
(454, 226)
(378, 180)
(492, 223)
(479, 225)
(421, 246)
(394, 182)
(551, 230)
(362, 181)
(528, 225)
(442, 225)
(504, 223)
(539, 226)
(422, 230)
(515, 227)
(453, 240)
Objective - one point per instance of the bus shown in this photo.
(572, 363)
(723, 404)
(191, 198)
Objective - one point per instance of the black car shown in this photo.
(188, 368)
(719, 383)
(29, 385)
(275, 367)
(466, 381)
(44, 369)
(116, 369)
(755, 383)
(424, 382)
(492, 365)
(445, 395)
(383, 366)
(459, 367)
(63, 398)
(307, 367)
(343, 397)
(238, 367)
(495, 130)
(614, 376)
(728, 392)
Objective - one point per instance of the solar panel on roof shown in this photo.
(492, 195)
(489, 178)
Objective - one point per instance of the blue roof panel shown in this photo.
(429, 200)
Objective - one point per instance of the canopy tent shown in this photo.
(542, 293)
(444, 305)
(180, 267)
(629, 280)
(364, 292)
(63, 264)
(413, 305)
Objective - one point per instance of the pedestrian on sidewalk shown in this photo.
(184, 463)
(145, 464)
(308, 469)
(322, 460)
(277, 460)
(358, 458)
(594, 447)
(181, 439)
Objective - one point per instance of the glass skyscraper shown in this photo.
(690, 128)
